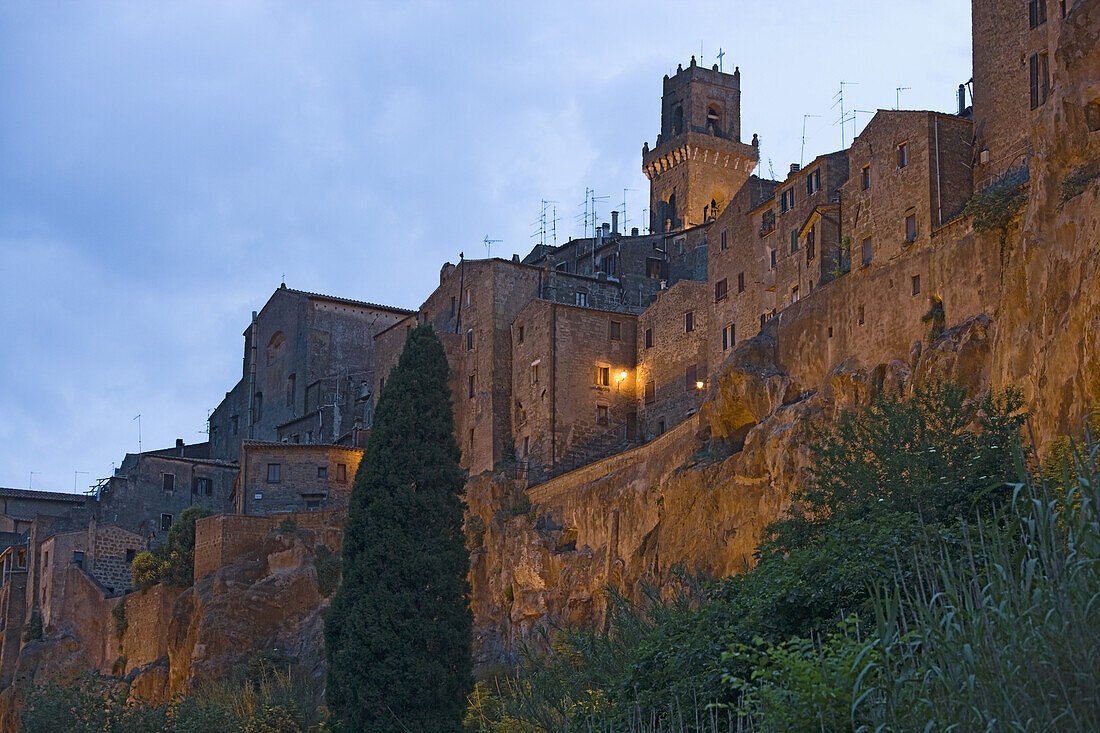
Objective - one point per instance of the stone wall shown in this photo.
(110, 557)
(148, 616)
(225, 536)
(317, 477)
(670, 368)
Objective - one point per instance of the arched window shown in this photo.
(275, 346)
(714, 117)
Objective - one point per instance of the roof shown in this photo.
(297, 446)
(182, 459)
(42, 495)
(347, 301)
(819, 210)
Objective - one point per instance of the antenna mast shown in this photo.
(839, 100)
(803, 153)
(489, 245)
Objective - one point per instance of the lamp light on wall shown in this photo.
(621, 375)
(700, 384)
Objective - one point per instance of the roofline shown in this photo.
(36, 494)
(348, 301)
(157, 454)
(297, 446)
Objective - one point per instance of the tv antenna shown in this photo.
(489, 245)
(859, 112)
(138, 418)
(543, 225)
(897, 96)
(838, 99)
(803, 153)
(625, 219)
(721, 53)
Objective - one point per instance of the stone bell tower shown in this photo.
(699, 161)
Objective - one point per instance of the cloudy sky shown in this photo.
(163, 166)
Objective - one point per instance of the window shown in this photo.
(130, 555)
(1040, 78)
(78, 558)
(903, 155)
(582, 299)
(786, 200)
(772, 255)
(234, 424)
(471, 385)
(724, 243)
(911, 228)
(830, 331)
(811, 243)
(341, 472)
(713, 118)
(202, 486)
(656, 268)
(1037, 13)
(602, 414)
(470, 339)
(291, 384)
(689, 321)
(322, 472)
(312, 504)
(471, 439)
(915, 281)
(720, 289)
(603, 376)
(649, 338)
(257, 496)
(526, 445)
(866, 178)
(274, 473)
(813, 182)
(535, 373)
(690, 377)
(616, 331)
(861, 314)
(767, 223)
(794, 241)
(169, 481)
(866, 251)
(454, 305)
(165, 522)
(467, 296)
(661, 426)
(519, 334)
(680, 242)
(650, 394)
(794, 294)
(727, 337)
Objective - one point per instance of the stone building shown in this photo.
(573, 384)
(307, 373)
(1012, 45)
(149, 491)
(699, 161)
(294, 477)
(672, 357)
(19, 507)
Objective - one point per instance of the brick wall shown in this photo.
(307, 474)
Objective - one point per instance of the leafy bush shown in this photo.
(1075, 183)
(174, 561)
(997, 206)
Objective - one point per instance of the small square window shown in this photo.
(313, 505)
(130, 555)
(582, 300)
(689, 321)
(322, 472)
(616, 331)
(78, 558)
(274, 473)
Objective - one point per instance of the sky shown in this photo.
(164, 166)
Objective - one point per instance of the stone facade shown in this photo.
(290, 477)
(149, 491)
(307, 370)
(672, 357)
(573, 385)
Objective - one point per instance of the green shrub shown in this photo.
(1075, 183)
(996, 207)
(174, 561)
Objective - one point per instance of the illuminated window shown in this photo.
(603, 376)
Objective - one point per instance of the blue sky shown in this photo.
(164, 165)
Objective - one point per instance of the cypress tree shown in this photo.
(398, 631)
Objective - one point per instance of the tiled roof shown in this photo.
(41, 495)
(357, 303)
(276, 444)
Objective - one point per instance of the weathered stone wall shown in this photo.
(225, 536)
(309, 477)
(148, 614)
(110, 555)
(669, 369)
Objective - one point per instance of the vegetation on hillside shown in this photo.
(398, 632)
(933, 579)
(174, 561)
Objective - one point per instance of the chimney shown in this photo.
(962, 99)
(795, 167)
(614, 222)
(606, 229)
(515, 257)
(634, 232)
(179, 445)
